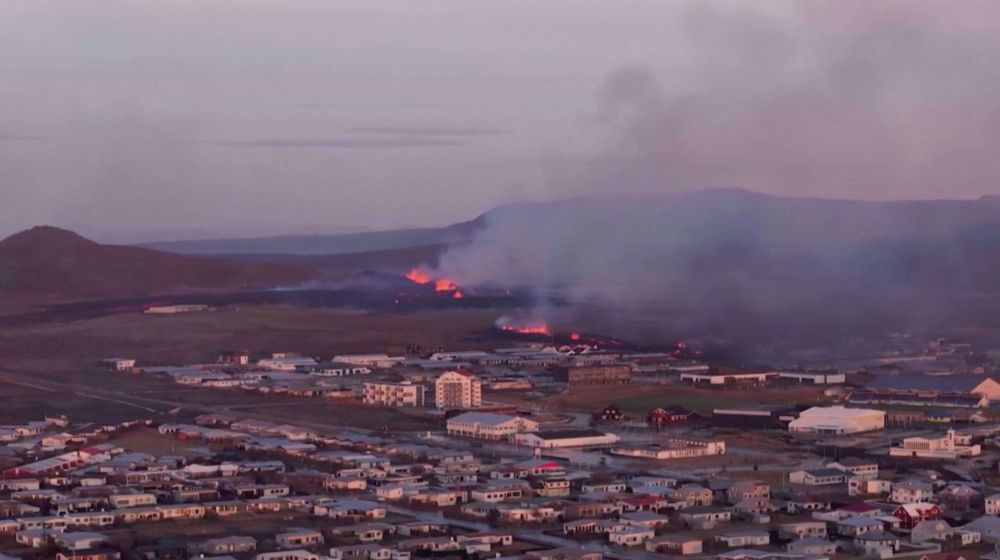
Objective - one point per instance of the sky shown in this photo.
(140, 120)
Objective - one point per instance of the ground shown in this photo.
(50, 367)
(639, 399)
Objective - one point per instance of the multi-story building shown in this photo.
(458, 389)
(398, 394)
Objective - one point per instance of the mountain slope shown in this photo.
(48, 261)
(324, 244)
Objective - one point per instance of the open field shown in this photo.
(639, 399)
(197, 337)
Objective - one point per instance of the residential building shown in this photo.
(458, 389)
(400, 394)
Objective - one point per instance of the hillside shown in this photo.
(48, 261)
(339, 244)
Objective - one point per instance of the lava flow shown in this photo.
(510, 325)
(418, 276)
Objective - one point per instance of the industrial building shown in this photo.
(607, 374)
(838, 420)
(951, 445)
(565, 438)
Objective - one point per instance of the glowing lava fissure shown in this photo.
(531, 327)
(418, 276)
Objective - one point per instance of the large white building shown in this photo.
(838, 420)
(949, 446)
(458, 389)
(486, 425)
(369, 360)
(394, 394)
(565, 438)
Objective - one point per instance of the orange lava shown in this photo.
(418, 276)
(528, 329)
(445, 285)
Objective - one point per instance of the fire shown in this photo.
(528, 329)
(445, 285)
(418, 276)
(458, 294)
(535, 327)
(574, 336)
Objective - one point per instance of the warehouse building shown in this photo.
(838, 420)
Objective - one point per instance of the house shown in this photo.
(675, 545)
(877, 543)
(338, 369)
(611, 413)
(812, 546)
(663, 416)
(748, 490)
(79, 541)
(227, 545)
(992, 504)
(288, 555)
(631, 536)
(838, 420)
(988, 526)
(458, 389)
(858, 525)
(931, 529)
(299, 538)
(565, 438)
(564, 553)
(911, 491)
(102, 552)
(706, 517)
(692, 495)
(117, 364)
(803, 529)
(866, 469)
(959, 498)
(487, 425)
(817, 477)
(912, 514)
(744, 538)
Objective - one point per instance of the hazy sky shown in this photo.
(133, 120)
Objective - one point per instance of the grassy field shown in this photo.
(198, 336)
(639, 399)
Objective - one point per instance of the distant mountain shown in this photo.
(738, 263)
(48, 261)
(338, 244)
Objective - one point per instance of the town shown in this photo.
(886, 457)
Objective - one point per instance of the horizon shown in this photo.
(120, 238)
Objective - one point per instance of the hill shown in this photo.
(337, 244)
(729, 262)
(48, 261)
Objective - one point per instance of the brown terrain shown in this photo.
(59, 264)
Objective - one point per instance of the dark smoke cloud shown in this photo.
(838, 99)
